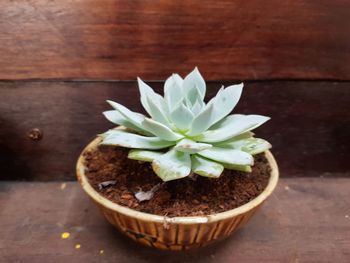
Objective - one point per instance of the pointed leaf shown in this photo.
(197, 107)
(161, 130)
(227, 121)
(132, 117)
(173, 92)
(131, 140)
(182, 117)
(172, 165)
(242, 168)
(205, 167)
(194, 82)
(192, 96)
(202, 122)
(229, 156)
(143, 155)
(250, 145)
(147, 94)
(189, 146)
(157, 113)
(234, 127)
(115, 117)
(212, 100)
(224, 101)
(226, 143)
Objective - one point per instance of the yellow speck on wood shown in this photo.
(65, 235)
(102, 251)
(77, 246)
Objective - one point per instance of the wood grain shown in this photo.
(105, 39)
(309, 130)
(306, 220)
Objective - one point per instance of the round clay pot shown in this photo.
(175, 233)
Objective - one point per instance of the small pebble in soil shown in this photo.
(102, 251)
(65, 235)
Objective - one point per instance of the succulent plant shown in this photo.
(185, 135)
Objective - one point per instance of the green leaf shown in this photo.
(249, 145)
(133, 117)
(173, 92)
(197, 107)
(201, 122)
(192, 96)
(182, 117)
(131, 140)
(205, 167)
(148, 94)
(157, 113)
(161, 130)
(115, 117)
(172, 165)
(234, 127)
(194, 85)
(226, 121)
(224, 101)
(230, 156)
(226, 143)
(242, 168)
(189, 146)
(143, 155)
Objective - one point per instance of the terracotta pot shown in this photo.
(176, 233)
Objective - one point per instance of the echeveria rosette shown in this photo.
(184, 134)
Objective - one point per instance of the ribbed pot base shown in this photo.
(175, 236)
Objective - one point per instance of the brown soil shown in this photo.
(183, 197)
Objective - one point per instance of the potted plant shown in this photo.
(194, 174)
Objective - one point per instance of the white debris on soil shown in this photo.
(106, 183)
(148, 195)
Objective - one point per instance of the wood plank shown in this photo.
(309, 130)
(306, 220)
(105, 39)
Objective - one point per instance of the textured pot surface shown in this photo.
(176, 233)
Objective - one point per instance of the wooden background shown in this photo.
(60, 61)
(227, 39)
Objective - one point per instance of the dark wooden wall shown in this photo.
(227, 39)
(309, 129)
(60, 60)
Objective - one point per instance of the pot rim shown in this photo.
(80, 169)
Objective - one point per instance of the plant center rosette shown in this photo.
(183, 134)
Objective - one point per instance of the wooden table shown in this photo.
(305, 220)
(60, 61)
